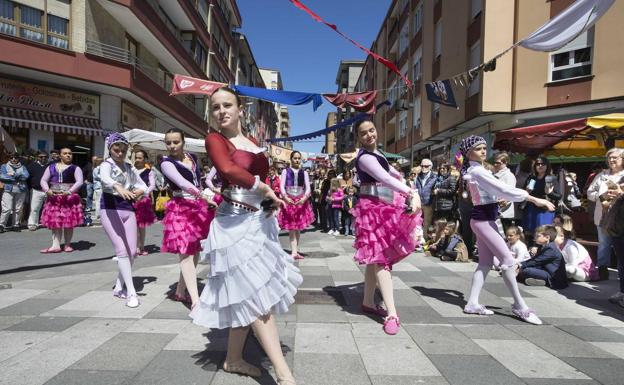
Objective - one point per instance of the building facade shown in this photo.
(71, 71)
(346, 79)
(330, 138)
(273, 80)
(436, 39)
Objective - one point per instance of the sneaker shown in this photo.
(534, 282)
(32, 228)
(391, 325)
(527, 315)
(479, 310)
(133, 301)
(617, 297)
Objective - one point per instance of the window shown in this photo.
(202, 7)
(475, 8)
(404, 38)
(58, 31)
(402, 124)
(222, 44)
(31, 23)
(201, 55)
(574, 60)
(417, 69)
(437, 38)
(393, 95)
(133, 49)
(418, 17)
(416, 113)
(7, 18)
(475, 60)
(28, 23)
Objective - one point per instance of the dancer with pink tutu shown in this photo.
(62, 210)
(121, 189)
(384, 230)
(145, 215)
(251, 277)
(297, 213)
(186, 214)
(486, 191)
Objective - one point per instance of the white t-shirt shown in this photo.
(519, 251)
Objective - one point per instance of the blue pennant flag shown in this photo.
(441, 92)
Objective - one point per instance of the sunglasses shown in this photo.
(540, 164)
(425, 165)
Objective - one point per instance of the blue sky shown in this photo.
(306, 52)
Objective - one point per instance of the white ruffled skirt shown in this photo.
(250, 274)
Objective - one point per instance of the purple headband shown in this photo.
(114, 138)
(468, 143)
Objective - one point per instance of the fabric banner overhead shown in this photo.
(188, 85)
(441, 92)
(360, 101)
(567, 25)
(283, 97)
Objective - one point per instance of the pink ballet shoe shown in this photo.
(298, 257)
(68, 249)
(391, 325)
(377, 310)
(50, 250)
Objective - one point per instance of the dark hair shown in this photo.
(516, 230)
(546, 162)
(293, 154)
(41, 152)
(175, 130)
(548, 230)
(231, 91)
(358, 124)
(55, 151)
(142, 152)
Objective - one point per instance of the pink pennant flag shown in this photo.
(188, 85)
(380, 59)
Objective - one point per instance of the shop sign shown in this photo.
(18, 94)
(134, 117)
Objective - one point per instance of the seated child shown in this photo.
(578, 264)
(451, 246)
(515, 243)
(431, 233)
(440, 225)
(547, 267)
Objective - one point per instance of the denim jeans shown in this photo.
(348, 219)
(605, 243)
(334, 219)
(89, 187)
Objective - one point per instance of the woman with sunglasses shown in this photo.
(543, 185)
(62, 211)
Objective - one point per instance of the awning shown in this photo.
(16, 117)
(535, 139)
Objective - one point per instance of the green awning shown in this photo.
(390, 155)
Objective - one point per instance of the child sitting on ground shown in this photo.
(451, 246)
(578, 264)
(547, 267)
(431, 234)
(440, 225)
(515, 242)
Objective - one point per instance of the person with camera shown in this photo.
(540, 184)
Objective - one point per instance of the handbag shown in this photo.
(161, 201)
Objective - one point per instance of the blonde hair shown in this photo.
(334, 183)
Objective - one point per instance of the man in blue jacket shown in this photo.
(425, 181)
(547, 267)
(14, 176)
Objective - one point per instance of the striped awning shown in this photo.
(16, 117)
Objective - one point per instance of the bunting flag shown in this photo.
(282, 97)
(360, 101)
(380, 59)
(327, 130)
(188, 85)
(441, 92)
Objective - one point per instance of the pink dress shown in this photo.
(145, 215)
(296, 185)
(385, 232)
(186, 215)
(62, 211)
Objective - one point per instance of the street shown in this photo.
(59, 323)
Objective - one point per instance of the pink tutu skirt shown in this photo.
(144, 213)
(185, 225)
(62, 212)
(296, 217)
(385, 232)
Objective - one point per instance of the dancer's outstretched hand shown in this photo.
(548, 205)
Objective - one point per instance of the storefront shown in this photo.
(41, 117)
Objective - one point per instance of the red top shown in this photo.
(234, 166)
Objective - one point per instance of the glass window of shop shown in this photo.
(81, 146)
(35, 24)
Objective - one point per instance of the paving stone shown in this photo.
(473, 370)
(558, 342)
(325, 338)
(404, 266)
(46, 324)
(383, 356)
(558, 321)
(552, 381)
(605, 371)
(489, 332)
(437, 271)
(407, 380)
(419, 315)
(413, 277)
(14, 342)
(615, 348)
(169, 310)
(167, 326)
(442, 339)
(535, 362)
(92, 377)
(138, 350)
(314, 270)
(320, 313)
(593, 333)
(32, 306)
(173, 367)
(408, 298)
(347, 277)
(501, 290)
(7, 321)
(324, 369)
(316, 282)
(375, 330)
(311, 262)
(225, 378)
(13, 296)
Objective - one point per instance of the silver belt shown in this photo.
(382, 192)
(294, 190)
(182, 194)
(238, 200)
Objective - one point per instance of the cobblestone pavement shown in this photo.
(59, 324)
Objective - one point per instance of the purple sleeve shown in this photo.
(283, 183)
(211, 174)
(152, 183)
(370, 165)
(170, 171)
(44, 180)
(79, 180)
(394, 173)
(306, 179)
